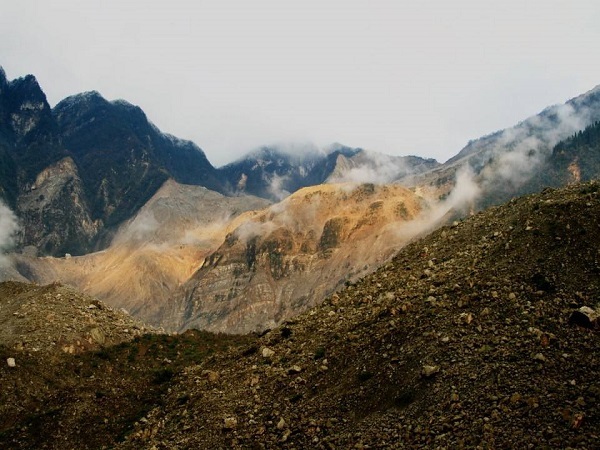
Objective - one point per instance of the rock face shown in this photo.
(123, 158)
(287, 257)
(152, 254)
(55, 212)
(194, 258)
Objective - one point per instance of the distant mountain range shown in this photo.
(276, 172)
(75, 172)
(515, 161)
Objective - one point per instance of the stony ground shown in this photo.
(472, 337)
(76, 374)
(462, 341)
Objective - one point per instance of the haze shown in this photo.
(396, 77)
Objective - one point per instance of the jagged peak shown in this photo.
(26, 82)
(3, 79)
(290, 151)
(88, 95)
(24, 88)
(87, 98)
(343, 149)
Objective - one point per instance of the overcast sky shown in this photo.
(398, 77)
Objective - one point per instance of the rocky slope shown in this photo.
(503, 163)
(77, 374)
(123, 158)
(284, 259)
(468, 338)
(74, 173)
(152, 254)
(192, 258)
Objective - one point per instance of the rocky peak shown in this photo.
(26, 105)
(92, 102)
(3, 80)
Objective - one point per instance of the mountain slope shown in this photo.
(276, 172)
(151, 254)
(463, 340)
(503, 162)
(123, 158)
(82, 374)
(286, 258)
(74, 173)
(574, 160)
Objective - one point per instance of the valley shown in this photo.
(298, 297)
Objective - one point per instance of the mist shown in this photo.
(372, 167)
(8, 228)
(505, 161)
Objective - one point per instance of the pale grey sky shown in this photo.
(398, 77)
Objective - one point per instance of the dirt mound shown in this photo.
(65, 384)
(464, 339)
(58, 318)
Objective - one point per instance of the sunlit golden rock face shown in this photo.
(281, 261)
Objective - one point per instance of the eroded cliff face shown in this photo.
(54, 211)
(285, 259)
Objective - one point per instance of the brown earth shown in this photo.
(152, 254)
(264, 264)
(77, 374)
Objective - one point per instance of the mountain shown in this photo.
(365, 166)
(467, 338)
(193, 258)
(74, 173)
(482, 334)
(123, 158)
(151, 254)
(574, 160)
(503, 162)
(276, 172)
(38, 179)
(285, 259)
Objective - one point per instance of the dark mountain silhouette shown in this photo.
(74, 173)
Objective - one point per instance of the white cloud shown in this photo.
(8, 228)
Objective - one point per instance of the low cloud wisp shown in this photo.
(9, 226)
